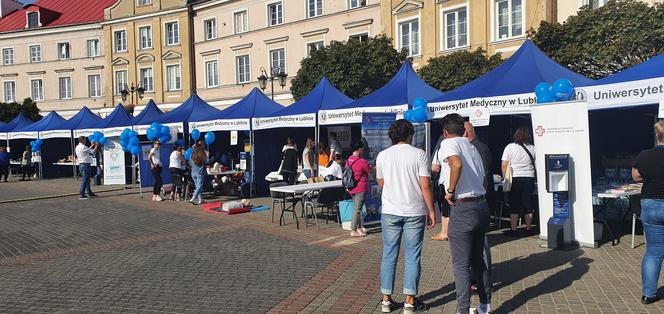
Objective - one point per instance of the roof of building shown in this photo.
(61, 13)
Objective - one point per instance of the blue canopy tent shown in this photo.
(150, 113)
(19, 122)
(509, 88)
(32, 131)
(193, 109)
(116, 121)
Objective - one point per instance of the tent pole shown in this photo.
(73, 156)
(317, 136)
(251, 151)
(140, 184)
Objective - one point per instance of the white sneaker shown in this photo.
(363, 230)
(386, 306)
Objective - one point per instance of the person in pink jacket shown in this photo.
(361, 170)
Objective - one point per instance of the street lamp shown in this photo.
(277, 73)
(131, 90)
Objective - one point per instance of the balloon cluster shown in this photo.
(35, 145)
(129, 142)
(209, 136)
(187, 153)
(161, 132)
(97, 137)
(419, 113)
(561, 90)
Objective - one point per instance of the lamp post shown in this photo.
(277, 73)
(131, 90)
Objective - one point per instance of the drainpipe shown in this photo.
(192, 46)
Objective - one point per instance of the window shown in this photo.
(278, 60)
(144, 2)
(172, 33)
(93, 48)
(147, 79)
(409, 37)
(210, 29)
(94, 85)
(242, 69)
(33, 19)
(275, 13)
(594, 4)
(314, 8)
(120, 81)
(65, 87)
(10, 91)
(120, 41)
(509, 18)
(63, 51)
(240, 22)
(145, 37)
(352, 4)
(360, 37)
(212, 73)
(8, 56)
(173, 77)
(456, 28)
(37, 89)
(35, 53)
(315, 46)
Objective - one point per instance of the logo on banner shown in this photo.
(258, 122)
(540, 130)
(323, 116)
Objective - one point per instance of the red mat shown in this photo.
(215, 207)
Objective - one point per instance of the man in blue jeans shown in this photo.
(84, 159)
(403, 173)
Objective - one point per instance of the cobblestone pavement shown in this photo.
(120, 253)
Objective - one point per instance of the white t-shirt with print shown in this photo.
(519, 160)
(471, 182)
(401, 167)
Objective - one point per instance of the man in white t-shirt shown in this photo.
(84, 158)
(335, 147)
(403, 173)
(463, 173)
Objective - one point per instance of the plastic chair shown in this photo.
(327, 200)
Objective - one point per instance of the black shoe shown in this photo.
(84, 197)
(648, 300)
(92, 195)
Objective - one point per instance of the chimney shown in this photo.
(9, 6)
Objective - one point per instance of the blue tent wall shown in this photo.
(651, 68)
(20, 121)
(150, 113)
(118, 118)
(193, 109)
(50, 120)
(82, 117)
(324, 95)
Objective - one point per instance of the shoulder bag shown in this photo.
(532, 159)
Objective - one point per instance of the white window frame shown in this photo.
(174, 80)
(313, 42)
(4, 60)
(41, 90)
(354, 35)
(443, 31)
(90, 53)
(30, 54)
(280, 16)
(600, 3)
(270, 60)
(175, 40)
(358, 4)
(236, 30)
(149, 37)
(494, 21)
(149, 88)
(212, 82)
(68, 92)
(124, 40)
(142, 3)
(97, 89)
(419, 34)
(210, 33)
(60, 55)
(237, 69)
(119, 87)
(27, 19)
(13, 93)
(317, 14)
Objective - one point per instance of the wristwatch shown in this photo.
(449, 192)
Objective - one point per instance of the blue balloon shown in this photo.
(163, 139)
(135, 150)
(164, 130)
(133, 141)
(151, 135)
(195, 134)
(123, 143)
(155, 125)
(420, 115)
(133, 134)
(125, 149)
(209, 138)
(546, 98)
(419, 102)
(180, 143)
(125, 134)
(562, 89)
(39, 141)
(102, 140)
(543, 93)
(32, 143)
(187, 153)
(408, 115)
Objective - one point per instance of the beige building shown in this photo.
(567, 8)
(429, 28)
(234, 40)
(148, 45)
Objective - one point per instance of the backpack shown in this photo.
(348, 177)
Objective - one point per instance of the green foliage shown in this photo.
(354, 67)
(9, 111)
(599, 42)
(450, 71)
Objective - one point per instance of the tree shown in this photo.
(9, 111)
(355, 67)
(602, 41)
(450, 71)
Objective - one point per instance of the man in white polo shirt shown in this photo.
(463, 174)
(84, 159)
(403, 172)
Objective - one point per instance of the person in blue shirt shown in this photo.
(4, 164)
(197, 161)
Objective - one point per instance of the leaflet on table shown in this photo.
(55, 134)
(23, 135)
(221, 125)
(354, 115)
(295, 121)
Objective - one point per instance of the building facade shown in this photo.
(234, 40)
(428, 29)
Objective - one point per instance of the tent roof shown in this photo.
(20, 121)
(193, 109)
(324, 95)
(49, 120)
(83, 117)
(254, 105)
(517, 75)
(150, 113)
(402, 89)
(651, 68)
(118, 118)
